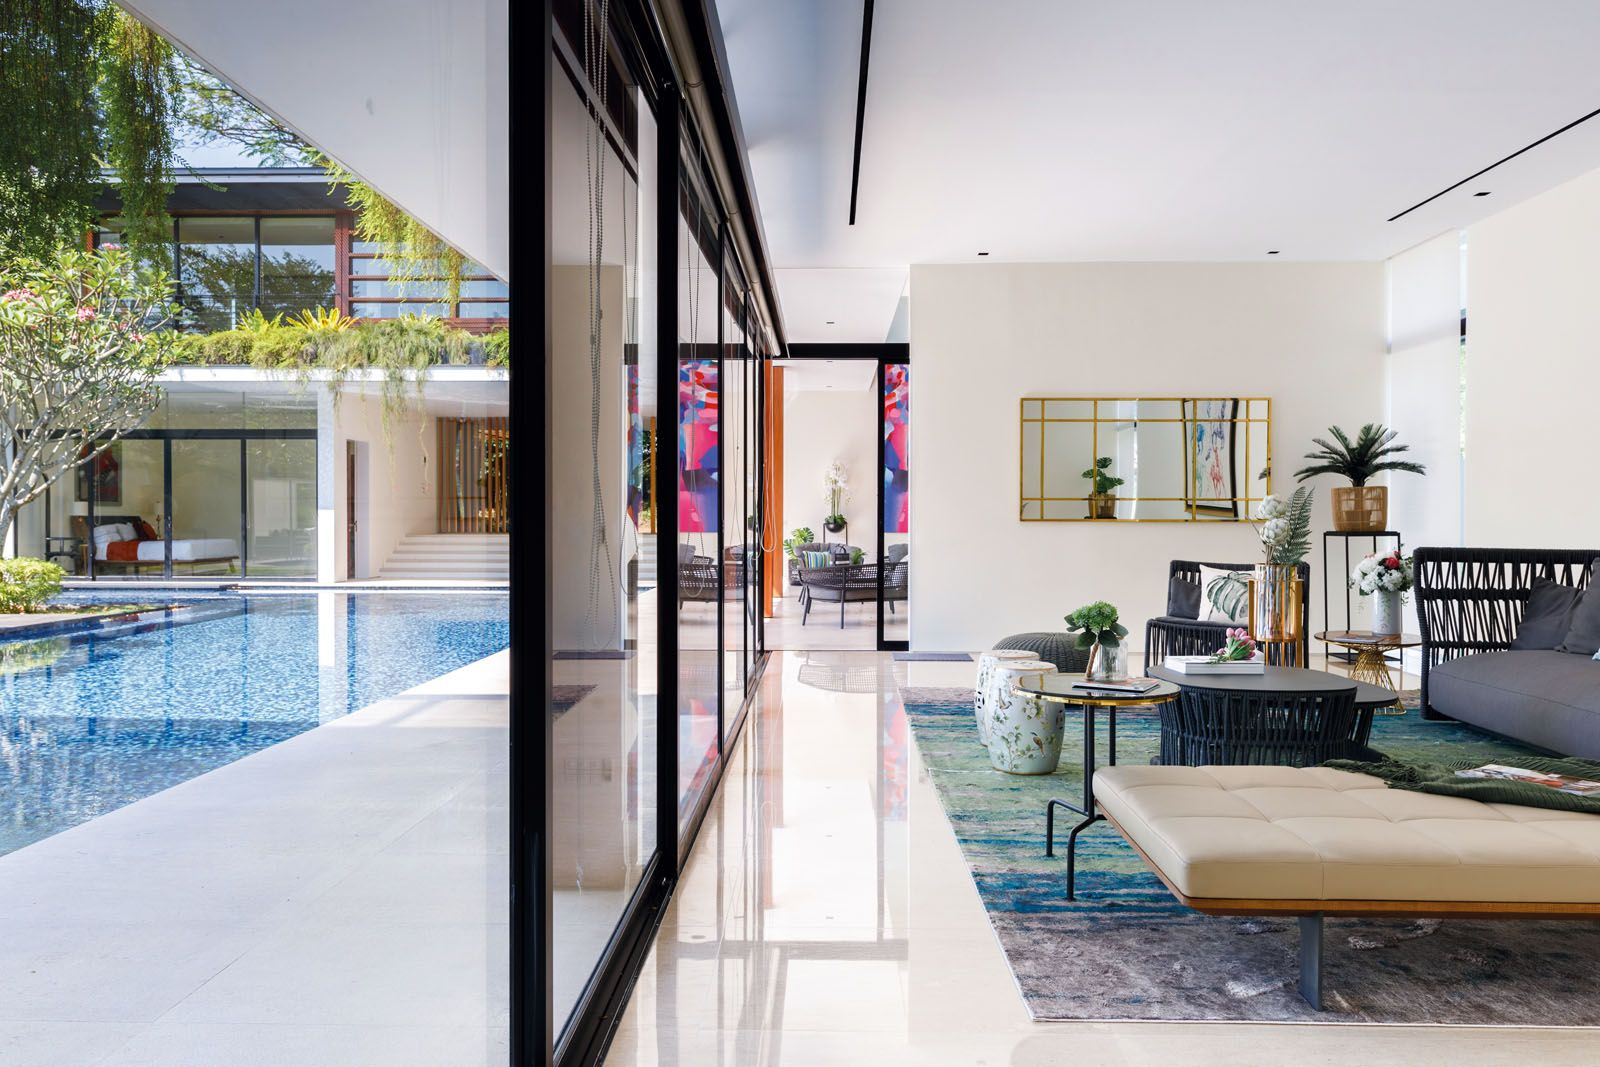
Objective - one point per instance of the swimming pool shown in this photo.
(91, 722)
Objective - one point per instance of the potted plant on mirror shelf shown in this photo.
(1359, 507)
(1099, 631)
(1386, 579)
(837, 483)
(1103, 495)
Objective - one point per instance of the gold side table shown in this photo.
(1372, 664)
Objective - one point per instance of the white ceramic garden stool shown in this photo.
(1024, 732)
(984, 696)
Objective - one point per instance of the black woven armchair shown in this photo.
(839, 584)
(1169, 635)
(1470, 600)
(698, 576)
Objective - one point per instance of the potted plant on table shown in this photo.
(1359, 507)
(1386, 579)
(837, 483)
(1276, 591)
(1103, 495)
(1099, 631)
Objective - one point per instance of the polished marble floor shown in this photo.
(826, 917)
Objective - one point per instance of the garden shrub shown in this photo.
(26, 584)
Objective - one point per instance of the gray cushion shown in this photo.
(1183, 598)
(896, 553)
(1546, 698)
(1547, 617)
(1584, 636)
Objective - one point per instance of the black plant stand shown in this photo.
(1327, 571)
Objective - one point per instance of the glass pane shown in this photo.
(216, 269)
(206, 502)
(366, 287)
(394, 311)
(296, 264)
(734, 547)
(603, 560)
(128, 491)
(485, 310)
(199, 408)
(281, 503)
(896, 561)
(482, 288)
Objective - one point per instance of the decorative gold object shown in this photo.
(1361, 508)
(1276, 595)
(1181, 459)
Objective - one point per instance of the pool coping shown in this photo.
(60, 627)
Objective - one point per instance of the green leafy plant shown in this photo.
(1103, 483)
(1359, 460)
(257, 321)
(27, 584)
(324, 320)
(800, 535)
(414, 252)
(1097, 627)
(138, 99)
(496, 348)
(1285, 526)
(856, 556)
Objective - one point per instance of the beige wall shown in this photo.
(1533, 372)
(1310, 336)
(396, 480)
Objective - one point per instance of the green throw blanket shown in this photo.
(1441, 778)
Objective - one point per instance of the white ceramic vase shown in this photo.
(984, 695)
(1024, 731)
(1385, 612)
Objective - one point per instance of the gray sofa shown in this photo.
(1470, 604)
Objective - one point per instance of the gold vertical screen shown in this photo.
(472, 482)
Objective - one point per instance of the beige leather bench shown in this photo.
(1312, 842)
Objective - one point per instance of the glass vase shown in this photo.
(1107, 663)
(1275, 598)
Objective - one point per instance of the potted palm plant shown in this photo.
(1103, 497)
(1359, 507)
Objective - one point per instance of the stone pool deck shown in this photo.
(339, 898)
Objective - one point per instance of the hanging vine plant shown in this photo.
(138, 98)
(48, 164)
(414, 252)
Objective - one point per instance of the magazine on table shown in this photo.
(1129, 687)
(1561, 783)
(1210, 665)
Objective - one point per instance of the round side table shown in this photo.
(1371, 664)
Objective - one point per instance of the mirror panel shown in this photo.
(1159, 459)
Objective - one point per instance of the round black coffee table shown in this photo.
(1285, 715)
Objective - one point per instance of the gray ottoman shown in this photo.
(1058, 648)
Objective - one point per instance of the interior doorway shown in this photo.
(846, 569)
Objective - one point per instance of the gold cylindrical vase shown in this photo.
(1276, 596)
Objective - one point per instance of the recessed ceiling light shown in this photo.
(830, 322)
(1273, 252)
(1484, 193)
(983, 253)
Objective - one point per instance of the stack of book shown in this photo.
(1210, 665)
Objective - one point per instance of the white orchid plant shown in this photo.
(836, 480)
(1383, 574)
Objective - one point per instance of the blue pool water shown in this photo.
(91, 722)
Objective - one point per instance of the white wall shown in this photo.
(408, 94)
(1533, 372)
(819, 427)
(397, 482)
(1310, 336)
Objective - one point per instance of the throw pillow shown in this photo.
(818, 559)
(1584, 635)
(1547, 616)
(1225, 596)
(1183, 598)
(145, 531)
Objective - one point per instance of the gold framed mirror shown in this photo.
(1144, 459)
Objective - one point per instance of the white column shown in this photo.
(327, 489)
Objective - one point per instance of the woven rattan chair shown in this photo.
(1207, 727)
(841, 583)
(1471, 600)
(1169, 635)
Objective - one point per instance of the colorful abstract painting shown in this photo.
(698, 457)
(1208, 455)
(637, 472)
(896, 440)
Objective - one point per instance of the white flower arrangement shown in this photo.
(836, 481)
(1382, 574)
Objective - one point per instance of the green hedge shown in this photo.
(410, 343)
(26, 584)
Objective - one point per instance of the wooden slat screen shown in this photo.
(472, 483)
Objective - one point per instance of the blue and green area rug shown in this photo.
(1127, 950)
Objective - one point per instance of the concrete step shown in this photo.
(450, 556)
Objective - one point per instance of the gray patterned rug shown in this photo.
(1127, 950)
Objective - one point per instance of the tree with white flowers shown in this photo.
(83, 337)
